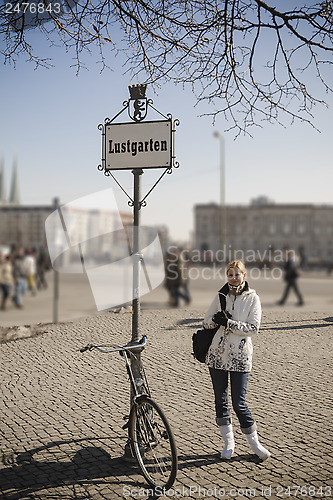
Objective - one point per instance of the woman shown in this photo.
(6, 280)
(231, 353)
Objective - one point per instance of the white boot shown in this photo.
(229, 443)
(256, 447)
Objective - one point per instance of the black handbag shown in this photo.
(202, 339)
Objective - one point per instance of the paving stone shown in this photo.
(62, 411)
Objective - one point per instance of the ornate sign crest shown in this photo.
(137, 105)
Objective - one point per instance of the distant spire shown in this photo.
(14, 198)
(3, 198)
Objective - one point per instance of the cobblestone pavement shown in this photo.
(62, 411)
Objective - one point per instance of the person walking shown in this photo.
(291, 274)
(42, 262)
(19, 278)
(6, 280)
(176, 277)
(171, 276)
(230, 356)
(29, 264)
(183, 291)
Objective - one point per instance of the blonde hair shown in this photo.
(236, 263)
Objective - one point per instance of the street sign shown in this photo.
(138, 145)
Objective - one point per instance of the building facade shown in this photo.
(264, 228)
(23, 226)
(100, 232)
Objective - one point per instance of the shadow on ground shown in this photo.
(24, 476)
(284, 325)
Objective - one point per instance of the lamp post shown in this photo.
(220, 137)
(55, 280)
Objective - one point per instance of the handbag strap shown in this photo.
(223, 292)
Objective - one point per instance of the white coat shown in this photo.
(232, 348)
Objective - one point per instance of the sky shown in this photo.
(48, 125)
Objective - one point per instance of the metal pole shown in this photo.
(136, 268)
(136, 358)
(136, 252)
(222, 191)
(55, 280)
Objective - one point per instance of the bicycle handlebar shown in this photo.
(131, 346)
(88, 347)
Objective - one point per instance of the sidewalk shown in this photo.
(62, 411)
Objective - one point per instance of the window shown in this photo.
(286, 228)
(301, 228)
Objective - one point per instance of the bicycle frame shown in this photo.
(126, 351)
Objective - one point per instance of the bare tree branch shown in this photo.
(247, 59)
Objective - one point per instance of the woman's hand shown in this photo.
(221, 318)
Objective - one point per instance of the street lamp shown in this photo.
(220, 137)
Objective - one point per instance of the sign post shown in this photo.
(135, 146)
(137, 260)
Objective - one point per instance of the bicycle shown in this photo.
(150, 436)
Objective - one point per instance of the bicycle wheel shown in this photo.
(153, 443)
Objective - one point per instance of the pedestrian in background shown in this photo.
(291, 275)
(42, 265)
(182, 287)
(230, 356)
(171, 274)
(176, 277)
(20, 281)
(6, 279)
(29, 263)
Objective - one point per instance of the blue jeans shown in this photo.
(20, 289)
(238, 382)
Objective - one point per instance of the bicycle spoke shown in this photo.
(153, 444)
